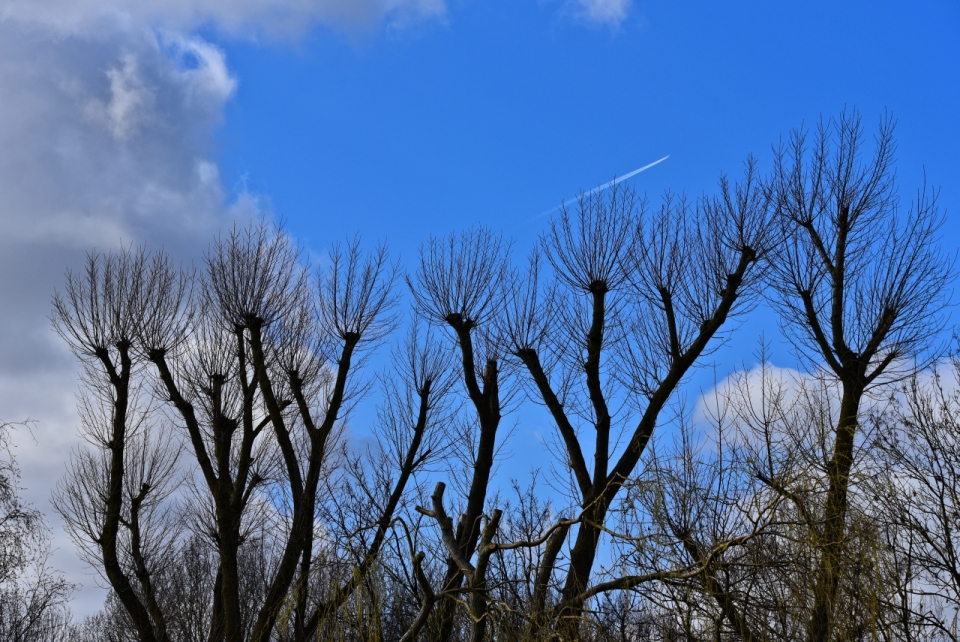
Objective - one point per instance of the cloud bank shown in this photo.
(108, 110)
(102, 142)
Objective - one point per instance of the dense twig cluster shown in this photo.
(220, 501)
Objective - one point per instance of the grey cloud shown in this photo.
(102, 142)
(273, 17)
(107, 109)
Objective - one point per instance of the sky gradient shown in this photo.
(164, 121)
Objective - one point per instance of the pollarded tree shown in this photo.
(637, 300)
(459, 285)
(256, 364)
(861, 287)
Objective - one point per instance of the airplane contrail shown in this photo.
(626, 176)
(613, 182)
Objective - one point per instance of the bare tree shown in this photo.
(638, 298)
(917, 495)
(33, 596)
(222, 502)
(753, 497)
(255, 362)
(458, 285)
(100, 316)
(615, 267)
(860, 287)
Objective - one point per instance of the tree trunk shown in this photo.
(830, 543)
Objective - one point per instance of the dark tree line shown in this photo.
(220, 500)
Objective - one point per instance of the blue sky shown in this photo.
(500, 110)
(163, 121)
(503, 108)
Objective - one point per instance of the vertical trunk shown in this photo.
(542, 582)
(478, 598)
(228, 517)
(120, 381)
(301, 593)
(468, 531)
(582, 556)
(486, 401)
(216, 617)
(595, 501)
(830, 544)
(141, 570)
(230, 581)
(581, 561)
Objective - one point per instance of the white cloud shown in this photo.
(751, 392)
(129, 105)
(101, 142)
(106, 137)
(602, 12)
(106, 140)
